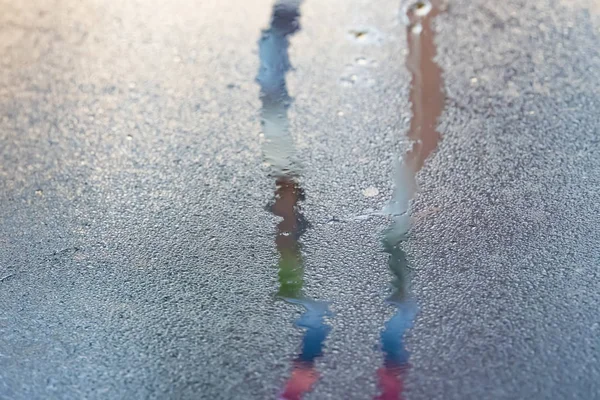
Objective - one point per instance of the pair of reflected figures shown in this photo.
(291, 268)
(280, 155)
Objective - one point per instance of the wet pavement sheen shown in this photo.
(341, 199)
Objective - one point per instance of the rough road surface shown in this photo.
(138, 254)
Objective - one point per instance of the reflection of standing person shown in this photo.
(427, 101)
(279, 153)
(291, 269)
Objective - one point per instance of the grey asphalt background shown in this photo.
(137, 260)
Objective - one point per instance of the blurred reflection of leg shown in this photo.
(304, 373)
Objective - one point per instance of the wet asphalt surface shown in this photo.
(137, 251)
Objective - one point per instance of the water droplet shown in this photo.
(422, 7)
(370, 192)
(345, 81)
(359, 34)
(340, 113)
(419, 8)
(416, 11)
(361, 61)
(129, 137)
(417, 29)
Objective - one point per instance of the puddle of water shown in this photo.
(279, 153)
(427, 99)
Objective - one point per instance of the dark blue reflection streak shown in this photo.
(316, 330)
(391, 375)
(279, 152)
(392, 343)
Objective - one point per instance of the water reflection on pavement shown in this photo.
(427, 99)
(279, 154)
